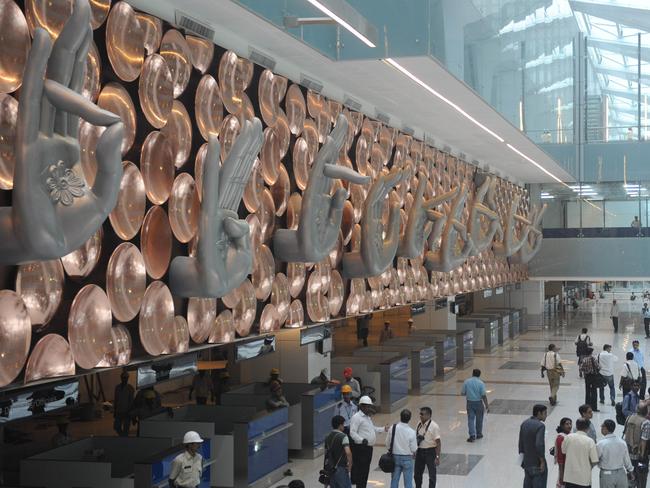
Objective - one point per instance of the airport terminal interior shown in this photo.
(244, 242)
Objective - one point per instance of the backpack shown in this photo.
(620, 418)
(582, 346)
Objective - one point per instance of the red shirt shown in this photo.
(559, 456)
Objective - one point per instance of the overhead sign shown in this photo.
(487, 293)
(253, 349)
(499, 290)
(40, 400)
(169, 369)
(417, 308)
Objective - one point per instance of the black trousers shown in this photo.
(361, 458)
(643, 383)
(591, 391)
(615, 323)
(646, 324)
(425, 458)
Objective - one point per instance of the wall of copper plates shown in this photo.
(109, 301)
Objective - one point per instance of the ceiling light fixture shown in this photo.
(342, 22)
(532, 161)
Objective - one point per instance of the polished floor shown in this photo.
(514, 385)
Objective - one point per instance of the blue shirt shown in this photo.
(473, 389)
(638, 357)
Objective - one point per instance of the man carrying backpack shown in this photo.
(338, 456)
(582, 342)
(636, 436)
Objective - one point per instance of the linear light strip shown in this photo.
(342, 22)
(532, 161)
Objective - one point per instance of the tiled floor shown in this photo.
(514, 385)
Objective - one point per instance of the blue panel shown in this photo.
(323, 424)
(268, 454)
(399, 379)
(268, 422)
(427, 361)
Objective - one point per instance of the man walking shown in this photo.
(531, 446)
(337, 451)
(613, 458)
(631, 400)
(613, 314)
(638, 357)
(581, 456)
(404, 447)
(606, 361)
(474, 390)
(346, 408)
(429, 448)
(552, 365)
(630, 373)
(645, 311)
(591, 372)
(122, 405)
(363, 433)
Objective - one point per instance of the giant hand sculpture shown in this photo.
(511, 243)
(483, 237)
(533, 242)
(376, 254)
(320, 215)
(224, 256)
(449, 257)
(53, 212)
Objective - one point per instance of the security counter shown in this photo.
(250, 447)
(503, 324)
(514, 318)
(423, 361)
(445, 348)
(463, 342)
(486, 332)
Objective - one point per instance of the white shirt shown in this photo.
(361, 427)
(405, 442)
(431, 435)
(606, 361)
(614, 311)
(613, 454)
(633, 368)
(581, 452)
(551, 360)
(186, 470)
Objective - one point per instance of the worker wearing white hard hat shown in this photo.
(187, 467)
(363, 434)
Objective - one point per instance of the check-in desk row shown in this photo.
(493, 327)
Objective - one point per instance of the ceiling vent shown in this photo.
(310, 83)
(410, 131)
(382, 117)
(352, 104)
(260, 58)
(186, 22)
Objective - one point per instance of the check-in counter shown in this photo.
(486, 332)
(514, 317)
(445, 350)
(423, 361)
(108, 462)
(389, 377)
(249, 446)
(503, 324)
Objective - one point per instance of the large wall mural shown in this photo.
(238, 201)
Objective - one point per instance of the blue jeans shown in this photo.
(534, 479)
(612, 389)
(340, 478)
(403, 465)
(475, 412)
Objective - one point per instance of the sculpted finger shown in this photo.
(337, 171)
(340, 131)
(76, 84)
(109, 167)
(211, 175)
(70, 101)
(235, 228)
(336, 206)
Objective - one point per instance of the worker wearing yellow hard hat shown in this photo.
(346, 408)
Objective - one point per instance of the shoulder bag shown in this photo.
(329, 469)
(387, 461)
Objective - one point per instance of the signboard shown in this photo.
(40, 400)
(499, 290)
(418, 308)
(256, 348)
(487, 293)
(164, 370)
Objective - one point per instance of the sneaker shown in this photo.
(602, 402)
(613, 404)
(480, 436)
(471, 439)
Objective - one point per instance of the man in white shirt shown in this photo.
(629, 373)
(552, 365)
(429, 447)
(613, 314)
(613, 458)
(404, 446)
(187, 468)
(363, 433)
(606, 362)
(581, 456)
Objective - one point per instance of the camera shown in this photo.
(419, 438)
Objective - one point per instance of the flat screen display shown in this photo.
(44, 399)
(256, 348)
(158, 371)
(315, 334)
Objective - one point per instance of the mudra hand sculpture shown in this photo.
(320, 215)
(376, 254)
(533, 242)
(483, 236)
(511, 242)
(224, 256)
(53, 211)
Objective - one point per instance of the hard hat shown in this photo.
(275, 371)
(347, 371)
(365, 400)
(192, 437)
(346, 389)
(410, 321)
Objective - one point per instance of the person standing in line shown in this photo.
(591, 371)
(563, 430)
(581, 456)
(404, 448)
(202, 385)
(582, 342)
(387, 333)
(477, 403)
(532, 448)
(631, 400)
(352, 382)
(346, 408)
(337, 451)
(636, 435)
(363, 328)
(552, 365)
(606, 362)
(613, 314)
(638, 357)
(586, 413)
(613, 458)
(187, 467)
(277, 399)
(645, 311)
(363, 433)
(629, 374)
(429, 448)
(122, 405)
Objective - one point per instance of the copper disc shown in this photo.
(81, 262)
(152, 28)
(40, 286)
(50, 358)
(296, 277)
(124, 41)
(269, 320)
(15, 46)
(120, 348)
(126, 281)
(310, 134)
(157, 166)
(8, 119)
(317, 304)
(156, 325)
(156, 242)
(181, 336)
(293, 211)
(89, 326)
(92, 79)
(224, 329)
(295, 104)
(208, 107)
(231, 299)
(176, 51)
(263, 272)
(335, 293)
(15, 336)
(201, 313)
(315, 103)
(266, 214)
(301, 163)
(296, 317)
(268, 100)
(198, 168)
(117, 100)
(155, 90)
(178, 131)
(323, 125)
(254, 188)
(126, 218)
(280, 296)
(246, 308)
(284, 134)
(280, 191)
(255, 233)
(48, 15)
(184, 208)
(201, 52)
(270, 156)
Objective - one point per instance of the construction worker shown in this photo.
(346, 408)
(187, 467)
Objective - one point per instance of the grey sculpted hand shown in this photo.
(224, 256)
(53, 211)
(320, 215)
(376, 254)
(449, 256)
(484, 235)
(533, 242)
(511, 243)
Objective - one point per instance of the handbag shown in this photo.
(626, 382)
(387, 461)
